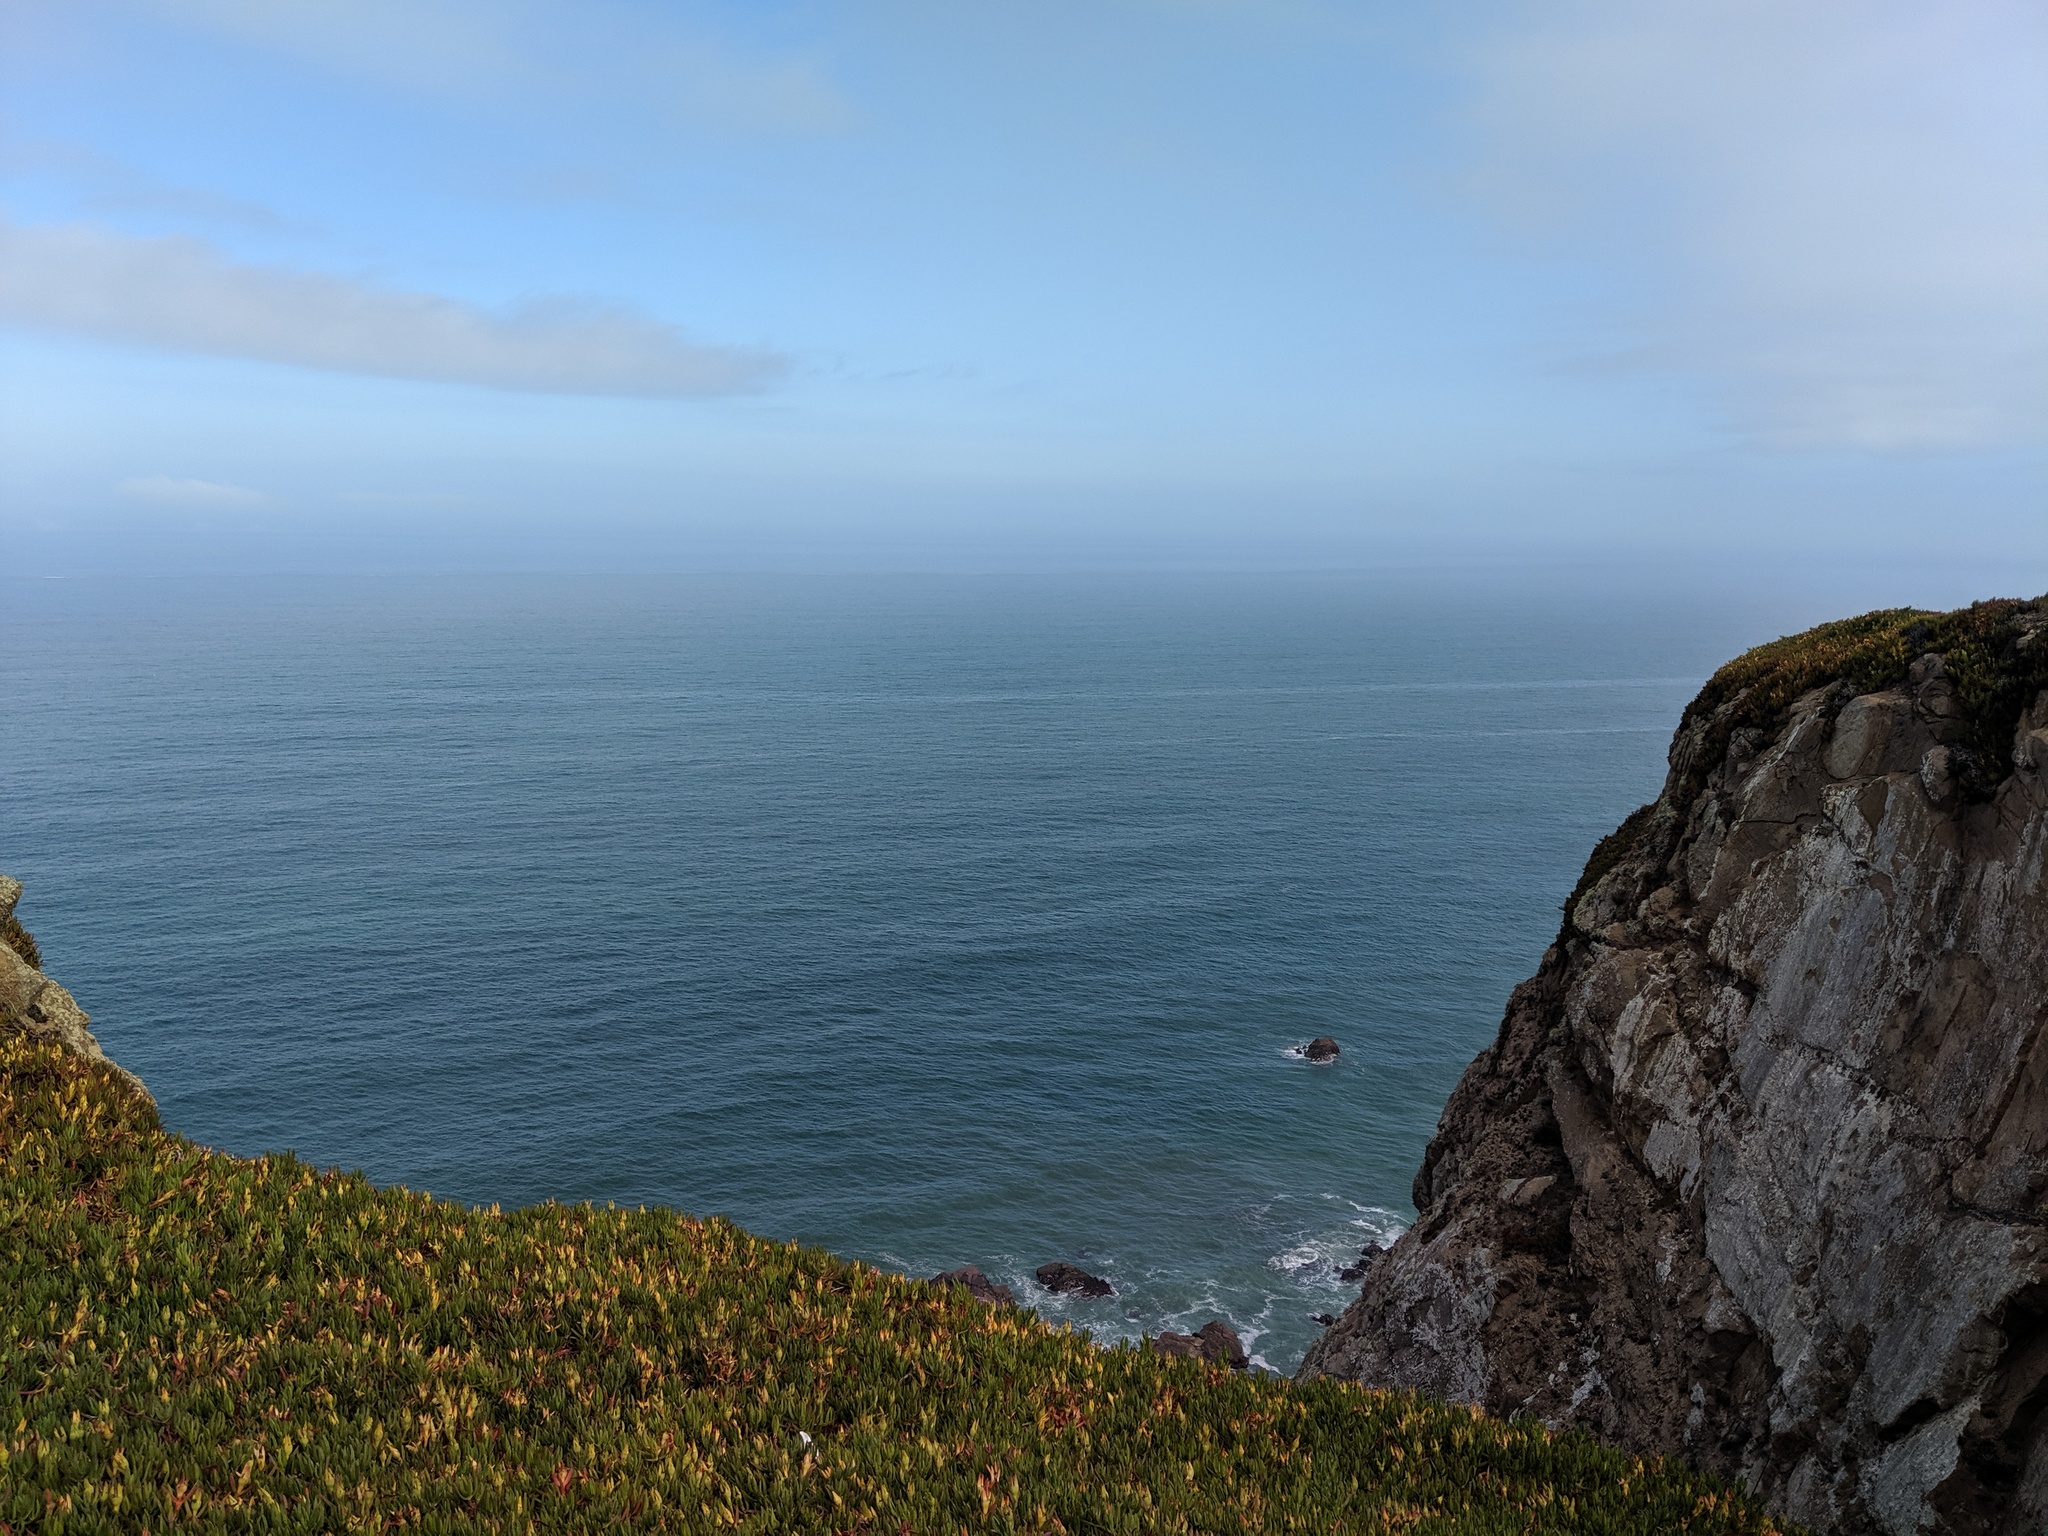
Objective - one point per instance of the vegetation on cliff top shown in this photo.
(190, 1340)
(1996, 661)
(1992, 657)
(16, 938)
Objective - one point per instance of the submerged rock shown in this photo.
(1067, 1279)
(1754, 1172)
(970, 1278)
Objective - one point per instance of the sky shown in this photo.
(520, 284)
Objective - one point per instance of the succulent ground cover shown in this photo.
(193, 1341)
(1995, 653)
(17, 938)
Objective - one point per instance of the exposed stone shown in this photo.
(1368, 1256)
(1320, 1049)
(970, 1278)
(1067, 1279)
(1215, 1341)
(1754, 1171)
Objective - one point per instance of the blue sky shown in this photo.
(454, 283)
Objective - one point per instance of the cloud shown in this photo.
(184, 295)
(108, 185)
(190, 493)
(1838, 208)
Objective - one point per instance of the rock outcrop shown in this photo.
(1368, 1256)
(978, 1285)
(30, 1001)
(1754, 1171)
(1215, 1341)
(1064, 1279)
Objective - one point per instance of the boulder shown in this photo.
(970, 1278)
(1368, 1256)
(1066, 1279)
(1320, 1050)
(1182, 1346)
(1215, 1341)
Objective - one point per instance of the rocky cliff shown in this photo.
(1754, 1171)
(32, 1003)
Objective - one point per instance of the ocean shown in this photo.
(931, 920)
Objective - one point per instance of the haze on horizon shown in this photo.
(515, 284)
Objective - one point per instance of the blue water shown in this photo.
(931, 920)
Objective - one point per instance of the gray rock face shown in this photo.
(36, 1005)
(1754, 1171)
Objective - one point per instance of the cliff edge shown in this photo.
(33, 1004)
(1754, 1171)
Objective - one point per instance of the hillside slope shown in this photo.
(1754, 1171)
(190, 1341)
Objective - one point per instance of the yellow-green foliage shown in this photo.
(197, 1341)
(1995, 677)
(16, 938)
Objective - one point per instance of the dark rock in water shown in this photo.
(1321, 1049)
(1072, 1280)
(977, 1285)
(1220, 1342)
(1182, 1346)
(1215, 1341)
(1368, 1256)
(1321, 1319)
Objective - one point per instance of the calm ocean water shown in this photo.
(932, 920)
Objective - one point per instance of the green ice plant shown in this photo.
(191, 1341)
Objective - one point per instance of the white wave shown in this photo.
(1316, 1261)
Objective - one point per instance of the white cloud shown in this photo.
(184, 295)
(190, 493)
(105, 184)
(1843, 203)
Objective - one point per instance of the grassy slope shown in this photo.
(193, 1340)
